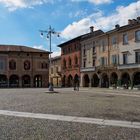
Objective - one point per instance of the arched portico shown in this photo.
(14, 81)
(26, 81)
(125, 80)
(86, 80)
(37, 81)
(113, 79)
(136, 78)
(95, 80)
(70, 81)
(64, 81)
(3, 81)
(104, 80)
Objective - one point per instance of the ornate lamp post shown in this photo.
(49, 34)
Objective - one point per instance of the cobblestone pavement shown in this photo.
(70, 103)
(94, 103)
(12, 128)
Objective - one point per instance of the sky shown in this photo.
(21, 20)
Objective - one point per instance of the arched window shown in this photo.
(76, 60)
(69, 61)
(64, 63)
(27, 65)
(44, 65)
(12, 65)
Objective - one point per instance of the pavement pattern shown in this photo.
(88, 114)
(127, 124)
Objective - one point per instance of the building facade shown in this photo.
(22, 66)
(70, 62)
(113, 58)
(89, 58)
(55, 72)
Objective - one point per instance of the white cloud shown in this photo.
(41, 47)
(99, 21)
(56, 53)
(96, 2)
(15, 4)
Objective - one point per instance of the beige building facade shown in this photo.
(117, 58)
(55, 72)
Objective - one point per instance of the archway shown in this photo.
(26, 81)
(125, 79)
(14, 81)
(64, 81)
(86, 80)
(105, 81)
(38, 81)
(3, 81)
(113, 79)
(95, 80)
(136, 78)
(70, 81)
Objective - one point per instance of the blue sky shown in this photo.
(20, 20)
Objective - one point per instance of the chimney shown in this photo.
(134, 21)
(91, 29)
(129, 21)
(117, 26)
(138, 19)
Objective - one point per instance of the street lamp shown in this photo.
(49, 34)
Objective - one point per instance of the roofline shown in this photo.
(42, 51)
(69, 41)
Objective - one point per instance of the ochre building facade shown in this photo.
(21, 66)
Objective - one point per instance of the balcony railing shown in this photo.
(87, 69)
(129, 66)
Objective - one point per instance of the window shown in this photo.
(125, 39)
(114, 59)
(93, 50)
(12, 65)
(102, 46)
(103, 61)
(125, 58)
(84, 52)
(44, 65)
(76, 47)
(69, 61)
(56, 69)
(137, 54)
(64, 63)
(2, 64)
(114, 40)
(64, 51)
(84, 64)
(27, 65)
(137, 35)
(76, 60)
(51, 70)
(93, 62)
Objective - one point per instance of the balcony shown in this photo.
(129, 66)
(107, 67)
(87, 69)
